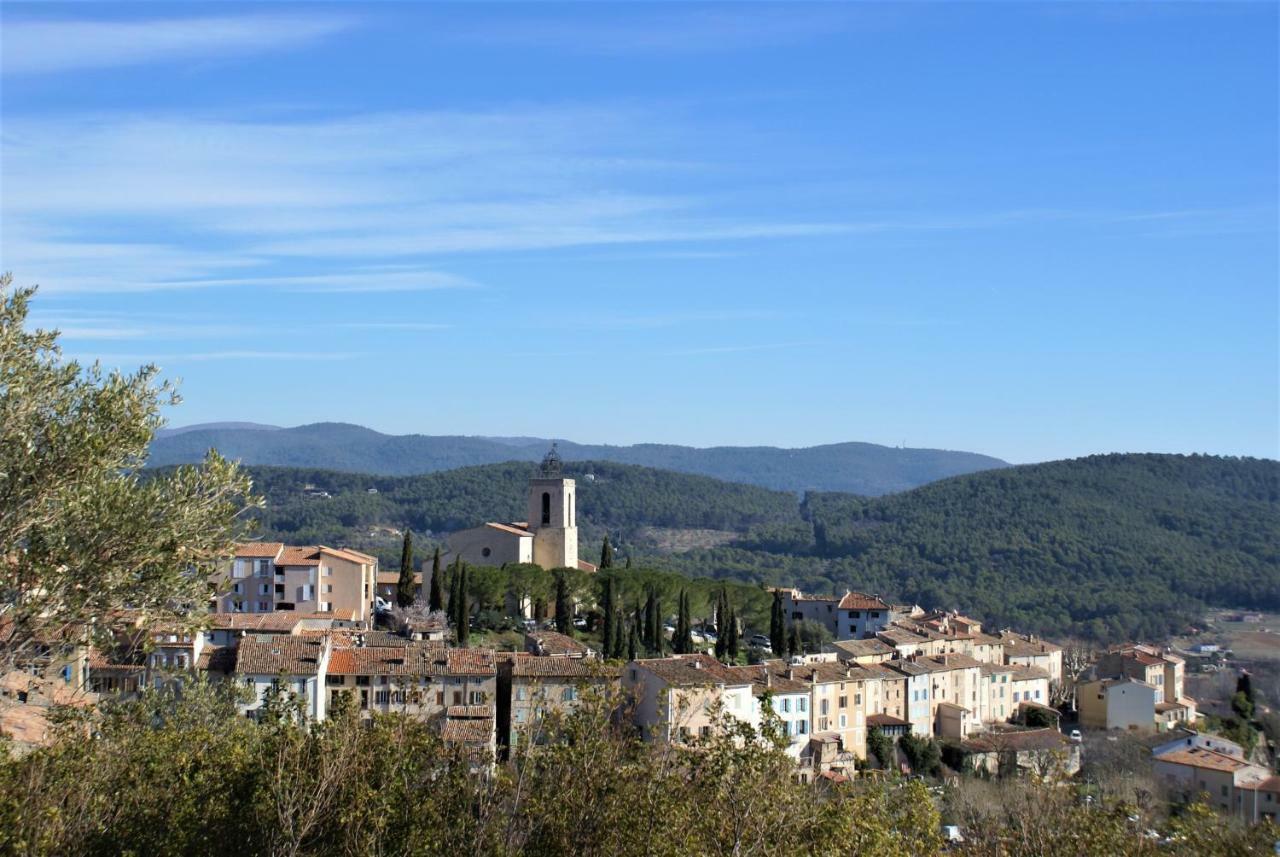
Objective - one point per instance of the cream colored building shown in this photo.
(1116, 703)
(266, 577)
(677, 698)
(548, 537)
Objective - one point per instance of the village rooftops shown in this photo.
(1023, 645)
(554, 644)
(259, 550)
(849, 601)
(277, 655)
(1028, 673)
(770, 677)
(313, 554)
(692, 671)
(1200, 757)
(886, 720)
(901, 636)
(1018, 740)
(469, 712)
(864, 648)
(535, 666)
(949, 661)
(458, 731)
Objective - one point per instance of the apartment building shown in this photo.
(1029, 650)
(1116, 703)
(1229, 783)
(850, 616)
(676, 698)
(265, 577)
(1162, 670)
(788, 699)
(297, 664)
(534, 690)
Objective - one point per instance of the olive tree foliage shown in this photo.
(82, 533)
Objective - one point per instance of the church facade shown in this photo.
(549, 536)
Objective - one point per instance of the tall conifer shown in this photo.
(436, 599)
(407, 587)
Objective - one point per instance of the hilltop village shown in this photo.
(895, 687)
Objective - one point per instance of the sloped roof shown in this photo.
(258, 550)
(696, 670)
(524, 665)
(554, 643)
(279, 654)
(467, 731)
(864, 648)
(861, 601)
(1201, 757)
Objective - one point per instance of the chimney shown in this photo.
(791, 674)
(696, 664)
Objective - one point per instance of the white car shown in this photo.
(381, 605)
(1075, 736)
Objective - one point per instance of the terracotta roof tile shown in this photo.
(553, 643)
(467, 732)
(691, 671)
(1200, 757)
(259, 550)
(279, 654)
(534, 666)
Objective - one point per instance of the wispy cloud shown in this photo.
(50, 46)
(204, 356)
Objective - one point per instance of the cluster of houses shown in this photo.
(302, 619)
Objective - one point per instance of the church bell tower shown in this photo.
(552, 514)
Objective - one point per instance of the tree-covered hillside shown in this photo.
(618, 497)
(1109, 546)
(861, 468)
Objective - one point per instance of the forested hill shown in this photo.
(620, 498)
(860, 468)
(1109, 546)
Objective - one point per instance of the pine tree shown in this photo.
(606, 554)
(1244, 684)
(564, 607)
(462, 632)
(794, 646)
(407, 587)
(777, 624)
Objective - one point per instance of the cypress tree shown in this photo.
(646, 626)
(436, 599)
(794, 646)
(463, 631)
(721, 615)
(777, 624)
(633, 643)
(564, 609)
(659, 639)
(406, 588)
(731, 645)
(453, 588)
(619, 637)
(606, 554)
(609, 608)
(688, 637)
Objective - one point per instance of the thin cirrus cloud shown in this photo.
(53, 46)
(344, 192)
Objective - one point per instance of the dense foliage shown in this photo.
(617, 498)
(166, 776)
(1107, 547)
(189, 777)
(863, 468)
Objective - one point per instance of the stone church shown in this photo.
(549, 537)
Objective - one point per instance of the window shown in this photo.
(822, 706)
(235, 587)
(326, 571)
(264, 588)
(263, 570)
(362, 681)
(1015, 696)
(485, 552)
(801, 727)
(802, 704)
(332, 680)
(546, 508)
(328, 587)
(844, 702)
(457, 697)
(704, 731)
(843, 721)
(326, 607)
(520, 694)
(264, 606)
(856, 614)
(857, 699)
(477, 697)
(786, 705)
(570, 694)
(875, 614)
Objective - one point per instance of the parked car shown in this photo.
(1075, 736)
(381, 605)
(530, 624)
(762, 641)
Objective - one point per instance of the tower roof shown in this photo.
(552, 466)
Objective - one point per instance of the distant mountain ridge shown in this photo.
(858, 468)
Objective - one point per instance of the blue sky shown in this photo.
(1035, 231)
